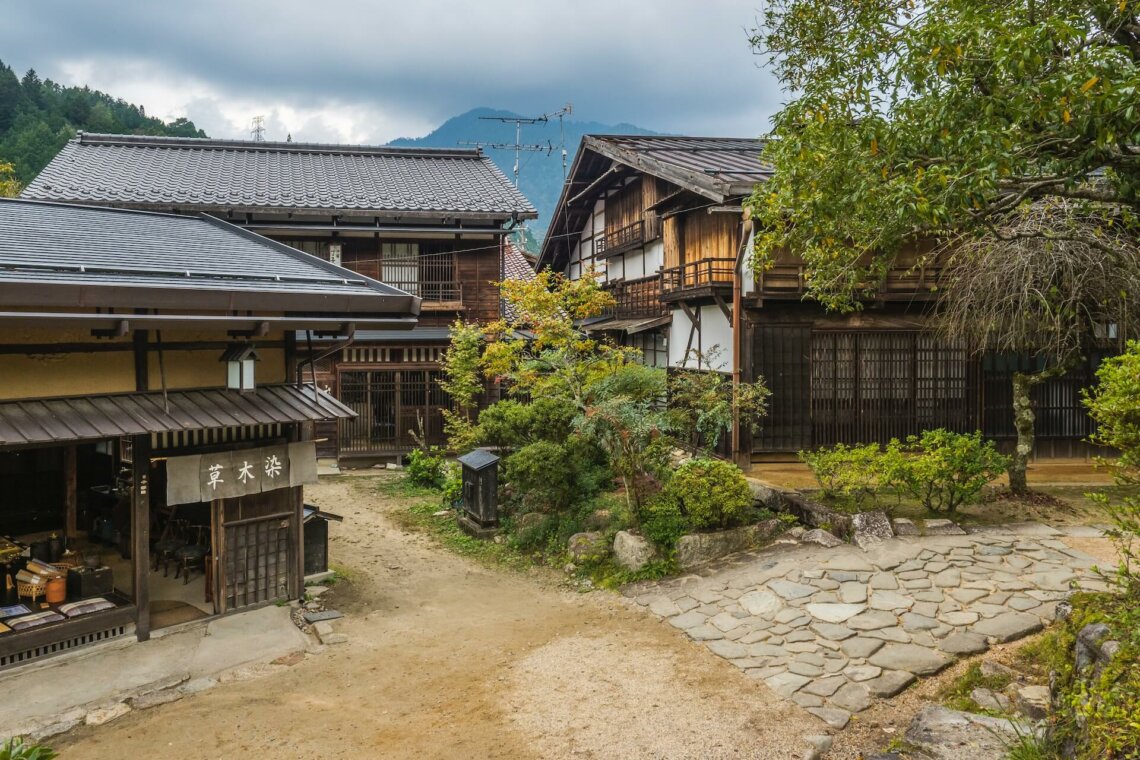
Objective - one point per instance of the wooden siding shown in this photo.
(710, 236)
(652, 191)
(672, 233)
(624, 207)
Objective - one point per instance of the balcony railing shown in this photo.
(623, 239)
(637, 298)
(788, 279)
(431, 291)
(698, 274)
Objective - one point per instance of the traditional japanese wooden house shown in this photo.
(152, 415)
(662, 219)
(431, 222)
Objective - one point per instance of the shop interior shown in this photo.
(65, 557)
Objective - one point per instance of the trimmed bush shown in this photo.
(425, 467)
(844, 472)
(662, 522)
(945, 470)
(709, 493)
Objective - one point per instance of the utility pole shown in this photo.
(257, 131)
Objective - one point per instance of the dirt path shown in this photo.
(448, 659)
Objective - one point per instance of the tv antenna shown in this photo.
(519, 147)
(257, 130)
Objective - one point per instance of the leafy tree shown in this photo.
(9, 186)
(462, 381)
(912, 120)
(706, 402)
(1053, 282)
(38, 116)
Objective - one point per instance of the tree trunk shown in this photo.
(1023, 422)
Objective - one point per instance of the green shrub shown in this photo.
(662, 521)
(710, 493)
(844, 472)
(425, 468)
(511, 424)
(16, 749)
(945, 470)
(452, 487)
(544, 476)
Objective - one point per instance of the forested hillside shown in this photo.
(37, 116)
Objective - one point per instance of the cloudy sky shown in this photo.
(368, 71)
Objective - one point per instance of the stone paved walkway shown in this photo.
(834, 629)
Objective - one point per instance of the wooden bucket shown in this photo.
(56, 592)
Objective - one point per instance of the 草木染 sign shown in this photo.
(227, 474)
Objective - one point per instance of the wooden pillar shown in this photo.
(140, 533)
(297, 432)
(70, 492)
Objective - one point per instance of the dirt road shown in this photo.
(447, 659)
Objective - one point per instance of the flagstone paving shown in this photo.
(833, 629)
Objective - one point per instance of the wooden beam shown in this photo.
(140, 533)
(727, 312)
(70, 492)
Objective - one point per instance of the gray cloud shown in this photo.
(375, 70)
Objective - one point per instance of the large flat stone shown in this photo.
(834, 613)
(786, 684)
(762, 603)
(963, 643)
(1008, 626)
(889, 600)
(832, 716)
(852, 697)
(942, 528)
(911, 658)
(873, 620)
(832, 632)
(789, 590)
(861, 647)
(890, 683)
(943, 734)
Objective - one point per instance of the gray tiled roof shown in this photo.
(85, 246)
(163, 172)
(726, 164)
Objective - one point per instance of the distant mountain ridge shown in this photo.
(540, 176)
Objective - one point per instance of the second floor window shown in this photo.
(400, 266)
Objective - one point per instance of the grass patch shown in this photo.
(421, 515)
(402, 487)
(956, 695)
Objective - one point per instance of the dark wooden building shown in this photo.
(431, 222)
(152, 416)
(661, 219)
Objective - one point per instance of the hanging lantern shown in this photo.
(240, 359)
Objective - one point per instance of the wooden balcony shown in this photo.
(637, 299)
(697, 278)
(437, 295)
(619, 240)
(786, 280)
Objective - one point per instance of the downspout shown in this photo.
(737, 338)
(312, 360)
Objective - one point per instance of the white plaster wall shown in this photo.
(715, 330)
(746, 266)
(654, 256)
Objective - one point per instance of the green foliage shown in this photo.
(956, 694)
(425, 467)
(945, 470)
(907, 120)
(1114, 404)
(452, 487)
(710, 493)
(844, 472)
(1098, 707)
(38, 116)
(510, 424)
(550, 477)
(17, 749)
(703, 401)
(663, 522)
(10, 187)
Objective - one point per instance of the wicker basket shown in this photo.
(68, 561)
(31, 590)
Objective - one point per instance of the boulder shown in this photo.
(904, 527)
(988, 699)
(942, 528)
(697, 549)
(821, 537)
(1089, 644)
(816, 515)
(591, 545)
(1032, 701)
(766, 496)
(632, 551)
(870, 529)
(944, 734)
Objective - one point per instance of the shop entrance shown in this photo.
(258, 548)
